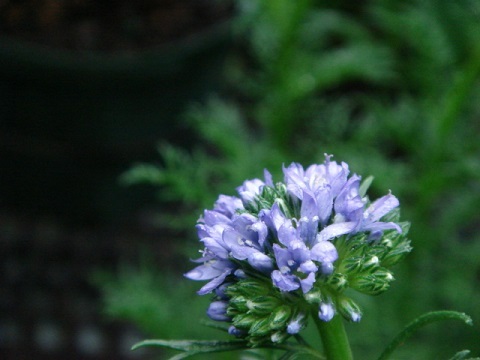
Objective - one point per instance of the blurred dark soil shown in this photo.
(107, 25)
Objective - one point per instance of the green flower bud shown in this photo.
(338, 282)
(260, 327)
(262, 305)
(349, 309)
(278, 337)
(373, 284)
(314, 296)
(279, 317)
(396, 254)
(244, 321)
(248, 288)
(371, 264)
(353, 264)
(237, 304)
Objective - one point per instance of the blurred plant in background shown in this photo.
(388, 86)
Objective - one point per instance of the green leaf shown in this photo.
(462, 355)
(193, 347)
(419, 322)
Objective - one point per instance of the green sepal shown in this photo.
(362, 191)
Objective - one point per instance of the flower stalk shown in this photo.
(334, 337)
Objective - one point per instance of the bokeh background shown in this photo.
(120, 121)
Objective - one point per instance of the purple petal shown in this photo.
(216, 248)
(250, 189)
(381, 207)
(285, 282)
(261, 262)
(324, 252)
(307, 283)
(308, 267)
(334, 230)
(273, 218)
(268, 178)
(326, 311)
(211, 218)
(324, 201)
(206, 271)
(228, 205)
(212, 285)
(287, 233)
(282, 256)
(309, 206)
(349, 200)
(237, 245)
(262, 231)
(382, 226)
(299, 251)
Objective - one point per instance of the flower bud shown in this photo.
(280, 316)
(314, 296)
(338, 282)
(373, 284)
(326, 311)
(349, 309)
(232, 330)
(278, 337)
(218, 311)
(297, 324)
(398, 251)
(262, 305)
(248, 287)
(238, 304)
(244, 321)
(260, 327)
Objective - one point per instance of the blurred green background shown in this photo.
(389, 87)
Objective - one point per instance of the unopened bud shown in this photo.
(280, 317)
(338, 281)
(218, 311)
(244, 321)
(373, 284)
(297, 324)
(314, 296)
(279, 337)
(260, 327)
(262, 305)
(349, 309)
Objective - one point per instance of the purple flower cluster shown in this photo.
(290, 241)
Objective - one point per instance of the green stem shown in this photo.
(419, 322)
(334, 337)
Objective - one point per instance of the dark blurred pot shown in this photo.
(71, 122)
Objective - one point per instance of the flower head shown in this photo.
(277, 250)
